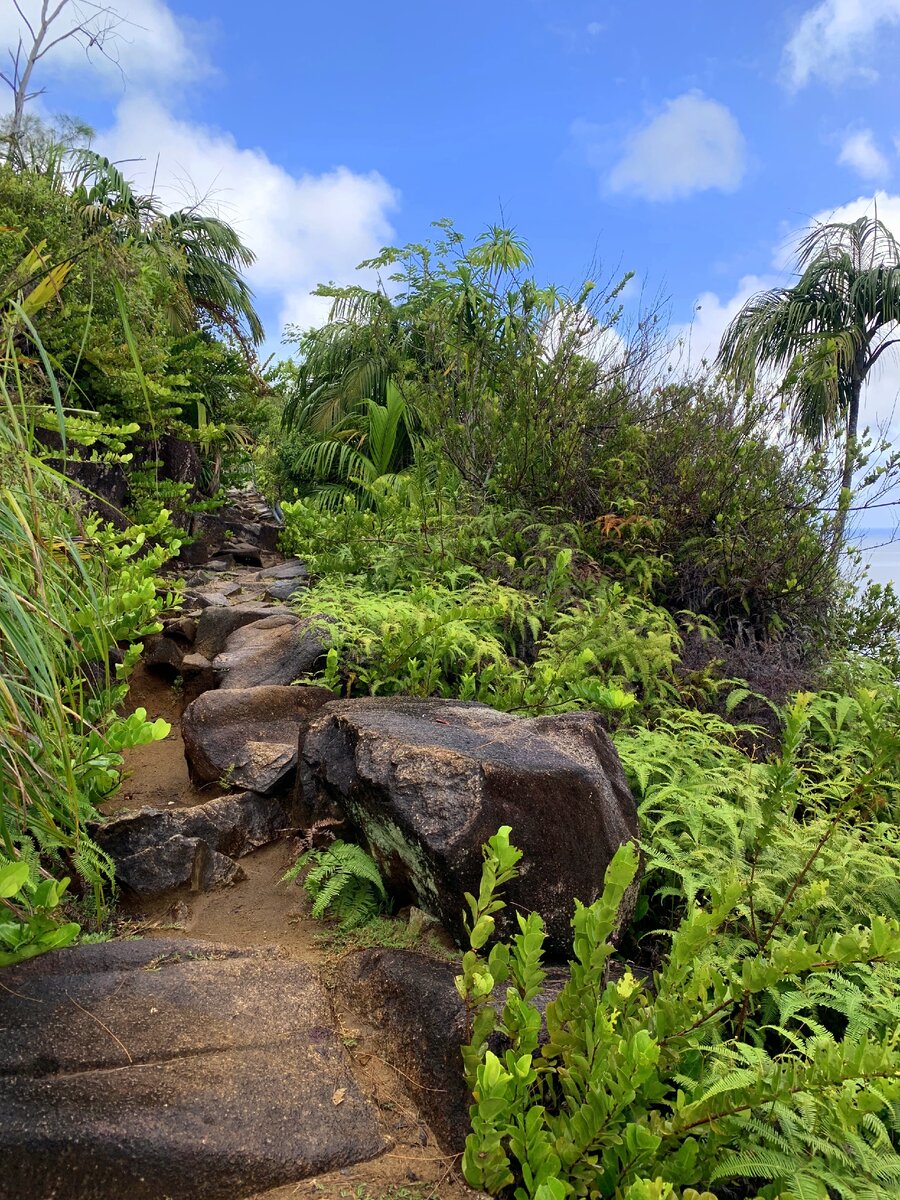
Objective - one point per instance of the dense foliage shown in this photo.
(502, 494)
(125, 332)
(747, 1045)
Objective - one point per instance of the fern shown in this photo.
(638, 1083)
(343, 881)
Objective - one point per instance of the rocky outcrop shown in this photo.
(155, 850)
(219, 621)
(248, 737)
(171, 1068)
(284, 581)
(276, 650)
(427, 782)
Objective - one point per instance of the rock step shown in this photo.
(172, 1068)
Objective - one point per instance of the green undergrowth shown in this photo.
(686, 1084)
(76, 597)
(751, 1050)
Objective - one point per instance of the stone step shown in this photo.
(172, 1068)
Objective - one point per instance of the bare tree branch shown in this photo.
(94, 26)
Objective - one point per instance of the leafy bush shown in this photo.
(653, 1090)
(67, 597)
(28, 927)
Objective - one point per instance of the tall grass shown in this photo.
(52, 674)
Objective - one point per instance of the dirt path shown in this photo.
(261, 911)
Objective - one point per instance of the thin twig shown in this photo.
(94, 1017)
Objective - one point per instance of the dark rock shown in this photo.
(195, 664)
(427, 782)
(413, 1003)
(198, 676)
(171, 1068)
(156, 850)
(179, 461)
(206, 599)
(221, 563)
(183, 629)
(291, 568)
(162, 655)
(285, 589)
(233, 825)
(248, 736)
(262, 535)
(100, 487)
(177, 862)
(218, 622)
(194, 552)
(276, 650)
(245, 553)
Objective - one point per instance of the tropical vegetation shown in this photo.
(503, 492)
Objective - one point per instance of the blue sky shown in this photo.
(687, 142)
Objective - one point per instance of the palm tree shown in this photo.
(825, 334)
(371, 443)
(203, 254)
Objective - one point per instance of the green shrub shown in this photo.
(67, 597)
(653, 1089)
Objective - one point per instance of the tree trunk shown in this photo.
(837, 541)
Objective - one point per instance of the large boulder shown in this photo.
(248, 737)
(275, 650)
(219, 621)
(155, 850)
(171, 1068)
(427, 782)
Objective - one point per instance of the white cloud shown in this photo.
(861, 154)
(833, 39)
(304, 229)
(149, 47)
(698, 340)
(693, 144)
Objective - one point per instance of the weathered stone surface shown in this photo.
(233, 825)
(275, 650)
(412, 1001)
(246, 553)
(100, 487)
(171, 1068)
(218, 622)
(156, 850)
(284, 589)
(162, 655)
(291, 568)
(249, 735)
(429, 781)
(195, 664)
(177, 862)
(197, 599)
(183, 629)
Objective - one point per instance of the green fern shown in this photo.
(343, 881)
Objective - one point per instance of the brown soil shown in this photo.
(157, 774)
(260, 911)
